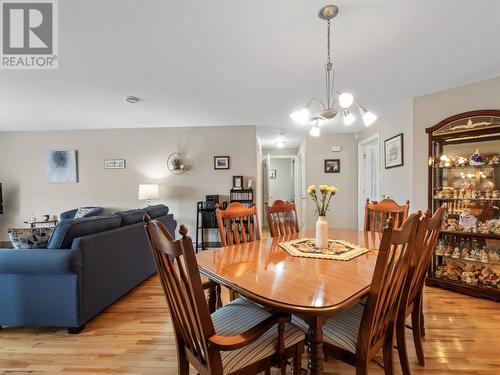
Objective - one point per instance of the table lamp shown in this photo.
(148, 191)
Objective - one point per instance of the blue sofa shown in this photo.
(89, 263)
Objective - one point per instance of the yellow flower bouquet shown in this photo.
(322, 200)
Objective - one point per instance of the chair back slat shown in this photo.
(181, 283)
(282, 218)
(238, 224)
(425, 244)
(377, 214)
(385, 292)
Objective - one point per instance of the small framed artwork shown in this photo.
(273, 174)
(332, 165)
(221, 162)
(114, 164)
(394, 151)
(237, 182)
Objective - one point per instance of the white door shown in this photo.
(300, 189)
(266, 163)
(368, 174)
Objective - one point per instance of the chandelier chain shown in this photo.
(328, 61)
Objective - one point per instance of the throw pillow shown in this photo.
(82, 211)
(30, 238)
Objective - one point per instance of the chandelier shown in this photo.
(337, 103)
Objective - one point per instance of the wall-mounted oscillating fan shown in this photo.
(177, 163)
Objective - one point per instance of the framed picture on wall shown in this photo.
(221, 162)
(273, 174)
(114, 164)
(61, 167)
(237, 182)
(332, 165)
(394, 151)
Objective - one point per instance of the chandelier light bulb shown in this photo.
(315, 132)
(346, 100)
(300, 116)
(349, 118)
(369, 118)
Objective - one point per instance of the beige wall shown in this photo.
(26, 190)
(428, 110)
(394, 182)
(343, 210)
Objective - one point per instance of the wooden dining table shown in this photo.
(310, 288)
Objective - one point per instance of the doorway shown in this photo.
(368, 174)
(282, 180)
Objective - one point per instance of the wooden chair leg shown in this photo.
(401, 342)
(417, 331)
(297, 359)
(422, 320)
(361, 367)
(232, 295)
(182, 364)
(388, 356)
(218, 293)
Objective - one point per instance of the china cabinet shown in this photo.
(464, 176)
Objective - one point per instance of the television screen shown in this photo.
(1, 200)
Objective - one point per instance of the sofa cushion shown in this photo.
(84, 212)
(29, 238)
(156, 211)
(131, 216)
(64, 233)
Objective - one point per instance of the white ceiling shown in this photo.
(242, 62)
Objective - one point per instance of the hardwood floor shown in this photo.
(134, 336)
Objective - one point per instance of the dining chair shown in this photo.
(239, 338)
(357, 334)
(377, 213)
(238, 224)
(411, 302)
(282, 218)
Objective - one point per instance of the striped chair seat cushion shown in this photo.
(237, 317)
(340, 330)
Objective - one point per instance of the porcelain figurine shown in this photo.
(493, 257)
(439, 247)
(476, 159)
(474, 254)
(465, 254)
(483, 256)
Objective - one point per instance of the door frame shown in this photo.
(361, 203)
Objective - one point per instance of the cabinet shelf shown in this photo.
(475, 261)
(467, 199)
(461, 168)
(470, 234)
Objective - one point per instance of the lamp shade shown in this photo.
(149, 191)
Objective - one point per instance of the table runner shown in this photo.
(337, 249)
